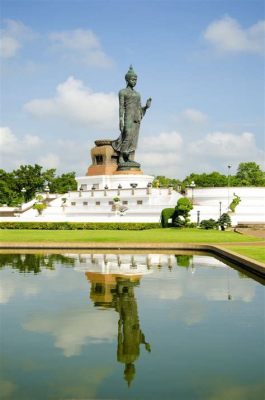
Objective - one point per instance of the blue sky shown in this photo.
(202, 62)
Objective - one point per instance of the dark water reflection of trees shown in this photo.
(33, 263)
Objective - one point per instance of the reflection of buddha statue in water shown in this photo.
(130, 335)
(117, 291)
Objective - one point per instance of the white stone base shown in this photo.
(145, 204)
(113, 181)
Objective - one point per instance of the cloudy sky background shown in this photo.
(202, 62)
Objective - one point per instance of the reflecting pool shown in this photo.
(129, 326)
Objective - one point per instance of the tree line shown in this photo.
(22, 184)
(247, 174)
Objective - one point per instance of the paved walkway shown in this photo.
(260, 233)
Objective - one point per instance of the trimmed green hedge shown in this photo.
(79, 226)
(166, 214)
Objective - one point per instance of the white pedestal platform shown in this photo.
(113, 181)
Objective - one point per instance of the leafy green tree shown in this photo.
(8, 194)
(33, 179)
(63, 183)
(162, 181)
(29, 177)
(250, 174)
(214, 179)
(49, 177)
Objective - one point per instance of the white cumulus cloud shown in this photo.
(13, 36)
(77, 103)
(11, 144)
(8, 46)
(49, 160)
(83, 44)
(161, 152)
(194, 116)
(174, 155)
(225, 145)
(164, 141)
(226, 35)
(15, 150)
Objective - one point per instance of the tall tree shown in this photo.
(64, 183)
(213, 179)
(29, 177)
(8, 193)
(250, 174)
(49, 176)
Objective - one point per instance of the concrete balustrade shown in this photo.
(146, 204)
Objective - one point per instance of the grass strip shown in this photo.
(255, 252)
(168, 235)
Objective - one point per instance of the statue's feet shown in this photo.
(121, 159)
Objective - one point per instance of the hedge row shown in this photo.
(79, 226)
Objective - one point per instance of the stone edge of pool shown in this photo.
(248, 263)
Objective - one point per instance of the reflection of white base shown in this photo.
(115, 269)
(123, 264)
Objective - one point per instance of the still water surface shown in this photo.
(147, 326)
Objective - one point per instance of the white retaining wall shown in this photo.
(210, 202)
(145, 205)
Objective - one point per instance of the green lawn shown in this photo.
(168, 235)
(255, 252)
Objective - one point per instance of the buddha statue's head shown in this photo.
(131, 77)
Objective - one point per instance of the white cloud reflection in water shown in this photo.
(74, 328)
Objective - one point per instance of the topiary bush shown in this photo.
(182, 212)
(179, 221)
(166, 214)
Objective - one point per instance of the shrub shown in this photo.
(40, 207)
(192, 225)
(166, 214)
(39, 198)
(224, 221)
(208, 224)
(79, 225)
